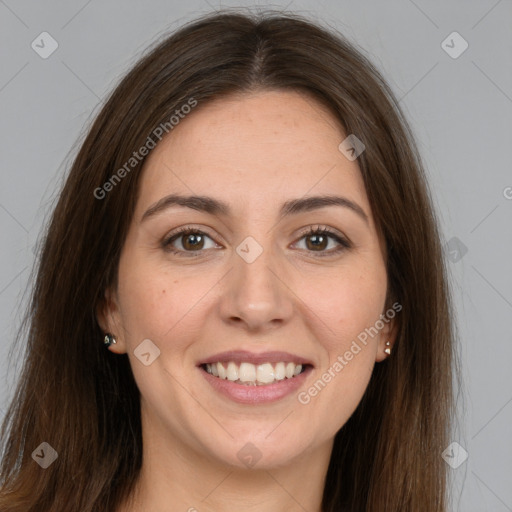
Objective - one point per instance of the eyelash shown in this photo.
(320, 230)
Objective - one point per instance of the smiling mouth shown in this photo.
(254, 375)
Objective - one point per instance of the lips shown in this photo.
(250, 378)
(244, 356)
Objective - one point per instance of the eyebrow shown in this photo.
(216, 207)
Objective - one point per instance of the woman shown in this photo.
(241, 301)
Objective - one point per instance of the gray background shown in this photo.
(460, 110)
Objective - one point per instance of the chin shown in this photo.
(258, 453)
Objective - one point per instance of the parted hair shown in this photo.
(83, 400)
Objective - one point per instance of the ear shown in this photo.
(109, 319)
(388, 333)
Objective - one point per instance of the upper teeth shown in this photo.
(252, 374)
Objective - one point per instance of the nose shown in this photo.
(256, 295)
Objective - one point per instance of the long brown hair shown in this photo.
(83, 400)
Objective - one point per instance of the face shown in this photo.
(265, 276)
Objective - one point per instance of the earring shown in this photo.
(388, 349)
(109, 340)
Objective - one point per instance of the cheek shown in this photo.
(152, 300)
(346, 304)
(344, 311)
(163, 306)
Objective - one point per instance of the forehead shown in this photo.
(253, 151)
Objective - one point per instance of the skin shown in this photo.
(253, 152)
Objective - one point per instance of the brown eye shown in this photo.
(317, 240)
(191, 240)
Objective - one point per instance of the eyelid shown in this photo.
(343, 242)
(332, 232)
(182, 231)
